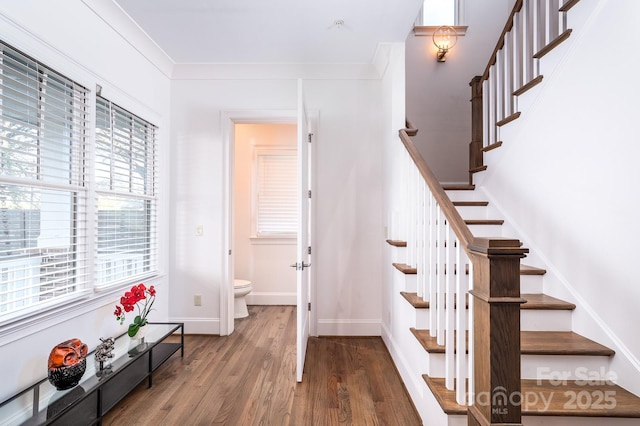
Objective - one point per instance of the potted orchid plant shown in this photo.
(139, 297)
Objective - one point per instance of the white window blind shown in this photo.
(276, 192)
(126, 178)
(43, 198)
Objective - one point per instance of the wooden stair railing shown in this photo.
(532, 30)
(494, 283)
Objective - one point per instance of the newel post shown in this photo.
(475, 146)
(496, 332)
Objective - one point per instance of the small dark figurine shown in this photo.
(104, 351)
(67, 363)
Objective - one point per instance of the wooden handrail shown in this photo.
(495, 331)
(450, 212)
(516, 8)
(533, 28)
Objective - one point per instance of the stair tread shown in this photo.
(405, 269)
(415, 300)
(524, 269)
(534, 343)
(545, 398)
(484, 221)
(458, 187)
(397, 243)
(545, 302)
(560, 343)
(531, 270)
(470, 203)
(534, 301)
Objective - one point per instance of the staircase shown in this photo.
(565, 377)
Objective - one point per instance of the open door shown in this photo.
(303, 256)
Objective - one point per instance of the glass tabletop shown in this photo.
(42, 400)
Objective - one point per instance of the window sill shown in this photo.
(419, 30)
(274, 240)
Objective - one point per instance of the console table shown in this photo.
(99, 390)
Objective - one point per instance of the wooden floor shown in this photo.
(248, 378)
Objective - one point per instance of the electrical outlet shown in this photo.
(197, 300)
(199, 231)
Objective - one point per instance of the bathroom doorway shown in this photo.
(305, 185)
(265, 210)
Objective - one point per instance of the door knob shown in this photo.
(300, 267)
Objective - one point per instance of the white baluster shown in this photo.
(420, 195)
(461, 323)
(433, 215)
(486, 124)
(440, 279)
(470, 381)
(450, 309)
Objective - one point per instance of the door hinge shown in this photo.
(309, 306)
(309, 193)
(309, 250)
(229, 252)
(310, 136)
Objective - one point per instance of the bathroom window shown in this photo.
(274, 192)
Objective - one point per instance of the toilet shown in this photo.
(240, 289)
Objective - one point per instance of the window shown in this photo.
(47, 183)
(438, 12)
(275, 192)
(126, 191)
(43, 192)
(435, 13)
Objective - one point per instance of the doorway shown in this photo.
(305, 275)
(229, 121)
(264, 210)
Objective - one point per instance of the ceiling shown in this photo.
(272, 31)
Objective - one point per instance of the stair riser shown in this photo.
(456, 420)
(542, 366)
(404, 282)
(465, 196)
(571, 367)
(545, 320)
(531, 284)
(486, 230)
(473, 212)
(530, 320)
(399, 255)
(576, 421)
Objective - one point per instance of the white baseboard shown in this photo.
(199, 325)
(257, 298)
(335, 327)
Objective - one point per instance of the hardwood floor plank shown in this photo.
(248, 378)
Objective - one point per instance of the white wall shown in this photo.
(566, 175)
(438, 94)
(348, 194)
(90, 52)
(265, 262)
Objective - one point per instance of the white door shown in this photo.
(303, 256)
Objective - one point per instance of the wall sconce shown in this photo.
(444, 38)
